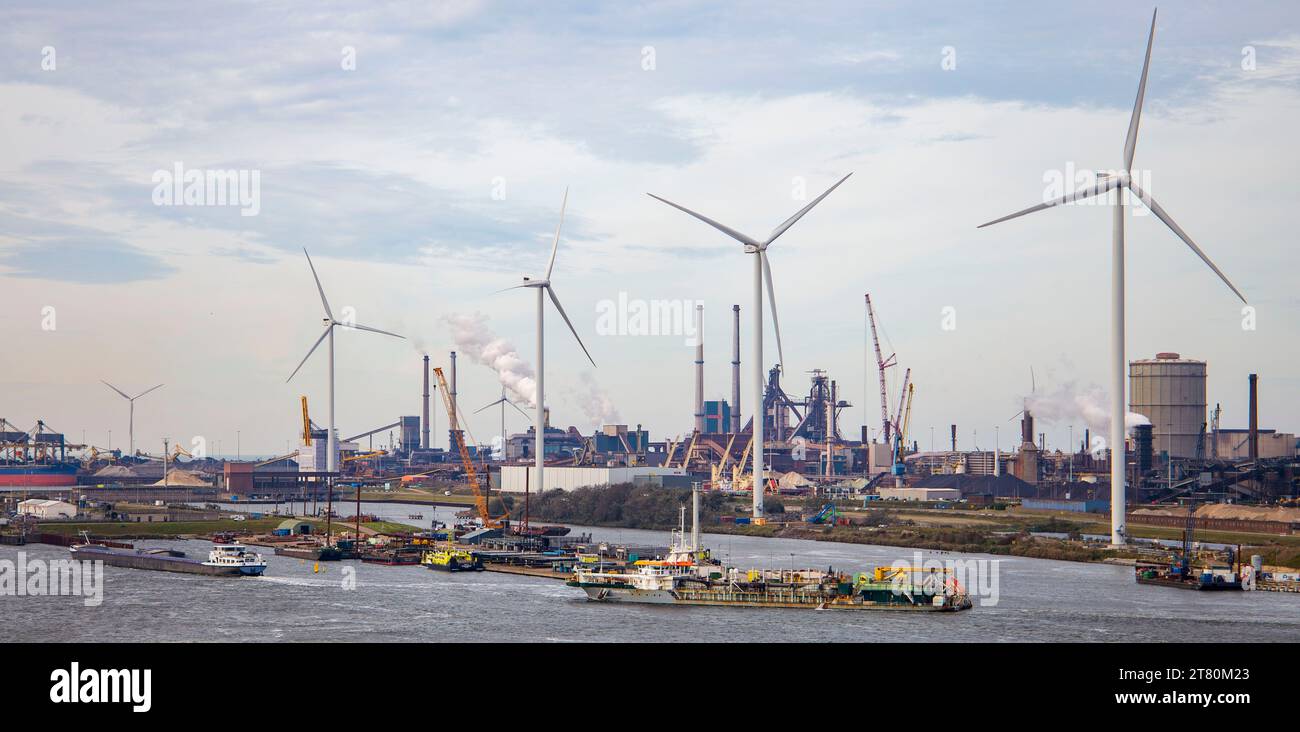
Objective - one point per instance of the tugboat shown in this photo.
(451, 560)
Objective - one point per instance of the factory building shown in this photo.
(518, 478)
(46, 510)
(1170, 391)
(616, 438)
(717, 417)
(1234, 444)
(410, 434)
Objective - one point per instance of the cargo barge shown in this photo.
(231, 560)
(688, 575)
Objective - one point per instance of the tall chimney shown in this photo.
(954, 438)
(455, 412)
(424, 433)
(735, 368)
(699, 368)
(1254, 417)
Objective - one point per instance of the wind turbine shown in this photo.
(1104, 183)
(543, 287)
(503, 401)
(762, 269)
(331, 439)
(131, 421)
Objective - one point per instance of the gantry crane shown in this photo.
(722, 464)
(471, 472)
(882, 363)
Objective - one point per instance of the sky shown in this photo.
(420, 151)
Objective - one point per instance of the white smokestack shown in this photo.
(699, 368)
(735, 369)
(424, 433)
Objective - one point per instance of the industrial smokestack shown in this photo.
(424, 433)
(735, 368)
(1254, 417)
(954, 438)
(699, 368)
(455, 412)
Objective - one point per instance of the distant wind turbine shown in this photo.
(543, 287)
(131, 420)
(503, 401)
(331, 440)
(762, 270)
(1121, 180)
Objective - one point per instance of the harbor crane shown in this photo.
(882, 363)
(471, 472)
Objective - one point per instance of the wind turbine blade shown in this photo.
(310, 352)
(1102, 185)
(146, 391)
(1173, 226)
(372, 330)
(507, 289)
(771, 301)
(518, 409)
(743, 239)
(493, 404)
(564, 315)
(319, 289)
(114, 388)
(790, 221)
(1130, 142)
(555, 245)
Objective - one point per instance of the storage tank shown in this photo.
(1170, 391)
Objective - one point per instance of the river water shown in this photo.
(1038, 600)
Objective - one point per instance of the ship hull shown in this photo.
(802, 601)
(155, 562)
(38, 476)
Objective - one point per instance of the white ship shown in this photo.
(237, 557)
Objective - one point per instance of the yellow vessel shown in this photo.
(451, 560)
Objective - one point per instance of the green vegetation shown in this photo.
(626, 506)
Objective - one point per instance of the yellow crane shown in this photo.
(306, 423)
(471, 472)
(722, 464)
(690, 450)
(738, 472)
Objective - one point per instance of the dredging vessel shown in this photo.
(224, 560)
(689, 576)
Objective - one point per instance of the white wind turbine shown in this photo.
(1104, 183)
(543, 287)
(331, 440)
(762, 270)
(131, 419)
(503, 401)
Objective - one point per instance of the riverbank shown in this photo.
(998, 530)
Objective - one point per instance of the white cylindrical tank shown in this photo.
(1170, 391)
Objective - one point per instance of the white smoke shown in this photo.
(1070, 405)
(594, 401)
(475, 339)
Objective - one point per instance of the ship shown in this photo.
(451, 560)
(224, 560)
(1179, 572)
(24, 474)
(688, 575)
